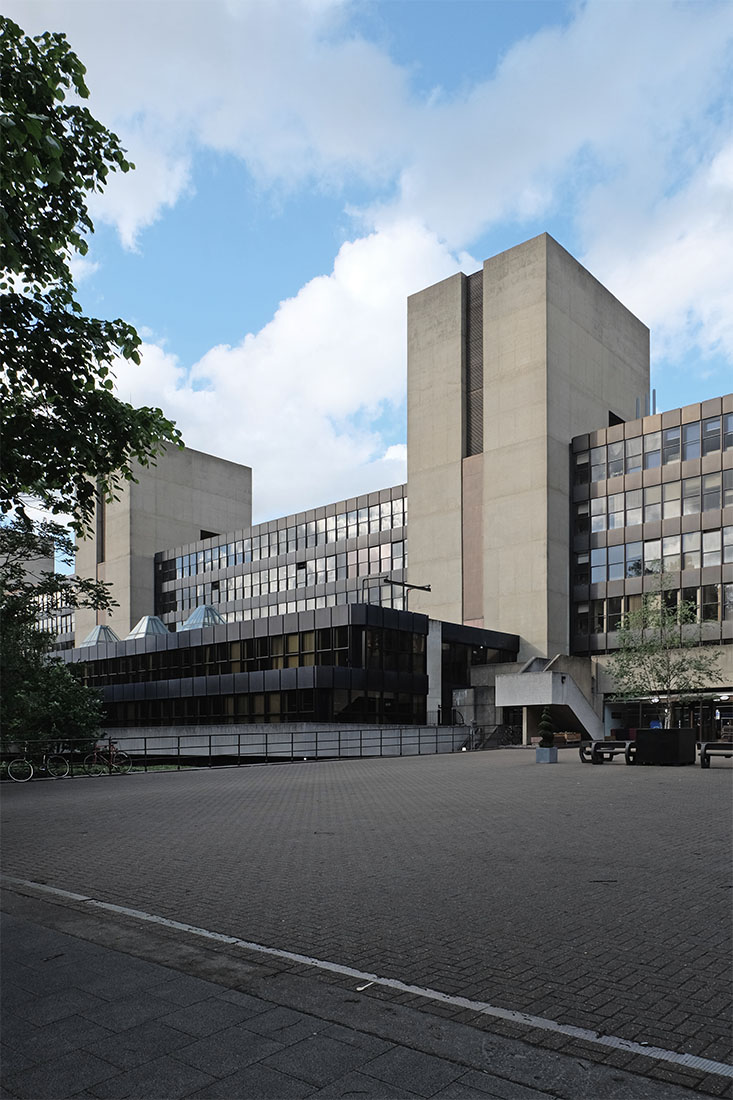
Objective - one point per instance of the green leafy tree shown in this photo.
(44, 702)
(661, 652)
(65, 434)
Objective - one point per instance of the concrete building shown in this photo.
(504, 367)
(543, 501)
(186, 495)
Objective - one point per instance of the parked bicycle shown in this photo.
(107, 759)
(21, 769)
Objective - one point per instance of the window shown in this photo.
(727, 500)
(582, 520)
(616, 563)
(710, 602)
(615, 459)
(711, 548)
(690, 440)
(633, 454)
(598, 565)
(710, 492)
(727, 601)
(711, 435)
(634, 552)
(615, 511)
(598, 616)
(728, 545)
(691, 550)
(671, 547)
(598, 514)
(582, 616)
(614, 606)
(728, 432)
(582, 569)
(652, 450)
(598, 464)
(690, 496)
(633, 507)
(652, 503)
(670, 445)
(671, 498)
(652, 556)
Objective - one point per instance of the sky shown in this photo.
(302, 166)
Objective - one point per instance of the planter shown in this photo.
(675, 746)
(546, 755)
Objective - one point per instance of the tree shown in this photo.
(661, 652)
(44, 702)
(65, 435)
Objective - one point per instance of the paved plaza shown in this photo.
(594, 898)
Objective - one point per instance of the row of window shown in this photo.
(656, 502)
(368, 561)
(711, 603)
(695, 550)
(319, 532)
(340, 705)
(387, 650)
(62, 623)
(388, 597)
(645, 452)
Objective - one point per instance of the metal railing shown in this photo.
(154, 751)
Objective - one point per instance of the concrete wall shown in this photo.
(491, 532)
(435, 447)
(171, 503)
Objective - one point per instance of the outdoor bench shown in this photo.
(714, 748)
(597, 752)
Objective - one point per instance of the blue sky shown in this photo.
(304, 165)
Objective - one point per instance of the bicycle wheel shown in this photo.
(93, 765)
(122, 762)
(20, 770)
(57, 766)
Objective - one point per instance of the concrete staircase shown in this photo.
(542, 682)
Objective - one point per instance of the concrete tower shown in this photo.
(504, 367)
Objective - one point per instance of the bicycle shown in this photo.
(110, 760)
(21, 769)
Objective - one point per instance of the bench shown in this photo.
(597, 752)
(714, 748)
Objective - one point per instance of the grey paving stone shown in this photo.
(185, 990)
(246, 1000)
(59, 1077)
(227, 1051)
(318, 1060)
(127, 1012)
(13, 1060)
(279, 1019)
(136, 1045)
(484, 1084)
(73, 1033)
(370, 1045)
(256, 1083)
(205, 1017)
(358, 1085)
(70, 1002)
(163, 1079)
(410, 1069)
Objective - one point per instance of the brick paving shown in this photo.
(597, 897)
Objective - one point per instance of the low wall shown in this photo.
(296, 741)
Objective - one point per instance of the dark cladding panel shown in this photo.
(474, 364)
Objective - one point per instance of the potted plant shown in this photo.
(546, 753)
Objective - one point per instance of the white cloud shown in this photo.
(300, 400)
(618, 122)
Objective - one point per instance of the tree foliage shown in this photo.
(44, 702)
(65, 434)
(661, 652)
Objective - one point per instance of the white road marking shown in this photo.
(707, 1065)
